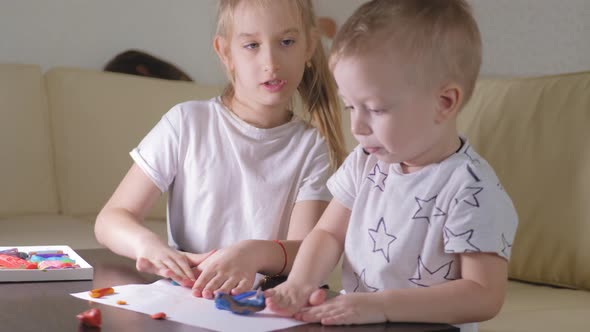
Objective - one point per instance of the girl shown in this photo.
(241, 169)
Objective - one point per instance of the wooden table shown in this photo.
(48, 306)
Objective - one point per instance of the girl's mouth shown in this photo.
(274, 85)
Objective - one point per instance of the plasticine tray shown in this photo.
(84, 272)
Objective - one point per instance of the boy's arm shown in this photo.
(478, 296)
(322, 248)
(319, 253)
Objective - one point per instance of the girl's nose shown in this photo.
(271, 62)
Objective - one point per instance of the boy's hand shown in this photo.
(289, 298)
(231, 270)
(168, 263)
(355, 308)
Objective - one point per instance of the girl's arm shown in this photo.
(319, 253)
(119, 227)
(232, 269)
(478, 296)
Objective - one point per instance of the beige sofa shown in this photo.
(65, 137)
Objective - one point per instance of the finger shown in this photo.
(202, 281)
(227, 286)
(213, 285)
(282, 306)
(197, 259)
(243, 286)
(173, 264)
(317, 297)
(337, 319)
(144, 265)
(184, 264)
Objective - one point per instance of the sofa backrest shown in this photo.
(535, 132)
(26, 155)
(97, 119)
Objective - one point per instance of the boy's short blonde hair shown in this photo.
(438, 40)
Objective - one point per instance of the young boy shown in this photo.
(424, 224)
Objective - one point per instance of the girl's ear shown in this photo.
(221, 47)
(449, 100)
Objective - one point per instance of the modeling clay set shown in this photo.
(42, 263)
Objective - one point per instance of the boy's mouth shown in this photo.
(370, 150)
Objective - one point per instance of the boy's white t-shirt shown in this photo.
(228, 180)
(407, 230)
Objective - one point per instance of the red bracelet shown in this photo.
(284, 254)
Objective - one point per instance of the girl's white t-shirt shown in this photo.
(227, 180)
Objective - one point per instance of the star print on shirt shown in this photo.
(475, 177)
(473, 160)
(507, 249)
(378, 177)
(381, 239)
(473, 200)
(427, 278)
(427, 208)
(363, 278)
(460, 240)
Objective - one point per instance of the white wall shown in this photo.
(521, 37)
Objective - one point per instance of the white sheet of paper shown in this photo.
(181, 306)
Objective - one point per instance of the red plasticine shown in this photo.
(159, 315)
(90, 317)
(13, 262)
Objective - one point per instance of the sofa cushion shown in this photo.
(47, 230)
(535, 132)
(98, 118)
(536, 308)
(28, 173)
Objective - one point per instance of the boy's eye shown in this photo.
(287, 42)
(251, 46)
(376, 111)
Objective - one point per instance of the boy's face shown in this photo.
(268, 51)
(392, 119)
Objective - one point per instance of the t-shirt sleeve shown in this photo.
(344, 183)
(157, 153)
(317, 171)
(481, 218)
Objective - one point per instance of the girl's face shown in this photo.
(266, 52)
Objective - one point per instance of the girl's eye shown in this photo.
(251, 46)
(348, 108)
(376, 111)
(287, 42)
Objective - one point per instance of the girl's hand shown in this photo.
(355, 308)
(230, 270)
(169, 263)
(289, 298)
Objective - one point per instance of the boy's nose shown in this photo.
(357, 125)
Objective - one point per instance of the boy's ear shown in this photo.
(449, 100)
(221, 47)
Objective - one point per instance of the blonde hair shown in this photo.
(439, 39)
(317, 87)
